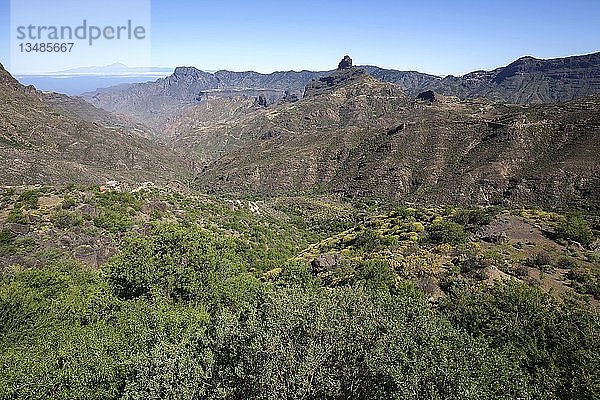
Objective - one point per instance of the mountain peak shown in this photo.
(346, 63)
(182, 71)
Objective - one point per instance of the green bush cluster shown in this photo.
(174, 262)
(369, 240)
(575, 227)
(441, 231)
(475, 218)
(117, 211)
(586, 280)
(16, 215)
(64, 335)
(557, 343)
(114, 220)
(181, 314)
(7, 239)
(63, 219)
(29, 198)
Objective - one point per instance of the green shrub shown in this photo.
(119, 200)
(538, 332)
(113, 221)
(567, 263)
(369, 240)
(575, 227)
(24, 245)
(446, 232)
(296, 274)
(7, 239)
(586, 280)
(402, 212)
(63, 219)
(68, 202)
(64, 336)
(16, 216)
(475, 218)
(375, 274)
(318, 344)
(174, 262)
(30, 198)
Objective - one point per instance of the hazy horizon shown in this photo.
(155, 69)
(438, 38)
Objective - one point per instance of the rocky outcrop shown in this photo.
(290, 97)
(326, 263)
(261, 101)
(346, 63)
(345, 74)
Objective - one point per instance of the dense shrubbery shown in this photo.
(174, 262)
(30, 198)
(187, 313)
(576, 228)
(7, 239)
(475, 218)
(65, 219)
(446, 232)
(556, 343)
(369, 240)
(64, 335)
(16, 215)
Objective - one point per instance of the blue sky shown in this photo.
(440, 37)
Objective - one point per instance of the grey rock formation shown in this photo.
(326, 262)
(344, 75)
(261, 101)
(345, 63)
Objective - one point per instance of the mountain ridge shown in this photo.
(357, 136)
(527, 80)
(48, 139)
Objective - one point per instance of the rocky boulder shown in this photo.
(326, 263)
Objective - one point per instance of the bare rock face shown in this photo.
(261, 101)
(326, 263)
(346, 63)
(290, 97)
(428, 95)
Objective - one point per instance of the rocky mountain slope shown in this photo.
(48, 138)
(154, 103)
(529, 80)
(355, 135)
(526, 81)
